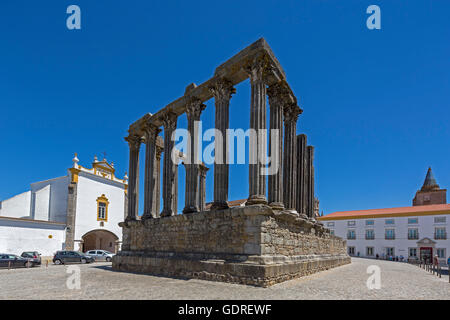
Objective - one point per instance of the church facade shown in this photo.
(79, 211)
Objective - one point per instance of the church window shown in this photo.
(102, 208)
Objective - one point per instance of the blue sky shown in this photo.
(376, 102)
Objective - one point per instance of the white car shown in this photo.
(100, 255)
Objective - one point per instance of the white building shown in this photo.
(79, 211)
(415, 232)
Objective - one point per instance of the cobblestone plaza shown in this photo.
(98, 281)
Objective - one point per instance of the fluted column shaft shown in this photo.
(202, 186)
(134, 143)
(222, 91)
(301, 174)
(157, 189)
(169, 169)
(275, 180)
(291, 113)
(151, 134)
(310, 185)
(194, 109)
(257, 183)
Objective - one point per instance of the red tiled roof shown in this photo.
(400, 211)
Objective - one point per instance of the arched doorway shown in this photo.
(100, 240)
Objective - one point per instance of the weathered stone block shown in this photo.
(248, 245)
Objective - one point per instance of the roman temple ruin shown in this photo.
(273, 237)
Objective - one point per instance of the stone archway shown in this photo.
(100, 240)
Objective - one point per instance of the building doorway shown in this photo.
(426, 254)
(100, 240)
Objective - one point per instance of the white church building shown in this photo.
(79, 211)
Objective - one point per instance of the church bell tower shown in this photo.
(430, 193)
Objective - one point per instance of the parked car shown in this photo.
(100, 255)
(14, 261)
(33, 255)
(63, 257)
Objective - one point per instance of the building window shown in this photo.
(102, 208)
(332, 232)
(370, 222)
(351, 251)
(330, 224)
(440, 234)
(389, 221)
(370, 234)
(369, 251)
(413, 220)
(390, 234)
(413, 234)
(390, 252)
(412, 252)
(439, 220)
(351, 223)
(351, 234)
(441, 252)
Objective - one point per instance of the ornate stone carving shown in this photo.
(222, 90)
(291, 112)
(134, 141)
(169, 120)
(194, 108)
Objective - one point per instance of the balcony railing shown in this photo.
(389, 237)
(413, 237)
(370, 237)
(440, 236)
(351, 237)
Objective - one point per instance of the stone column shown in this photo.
(275, 181)
(159, 151)
(151, 134)
(291, 113)
(194, 108)
(175, 189)
(134, 143)
(203, 169)
(169, 169)
(310, 166)
(301, 174)
(257, 180)
(222, 91)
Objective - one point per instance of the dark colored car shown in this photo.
(12, 261)
(33, 255)
(63, 257)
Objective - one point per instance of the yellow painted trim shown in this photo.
(386, 215)
(104, 200)
(74, 172)
(103, 166)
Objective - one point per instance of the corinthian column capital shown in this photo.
(194, 108)
(257, 69)
(291, 112)
(134, 141)
(151, 132)
(222, 89)
(280, 94)
(169, 120)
